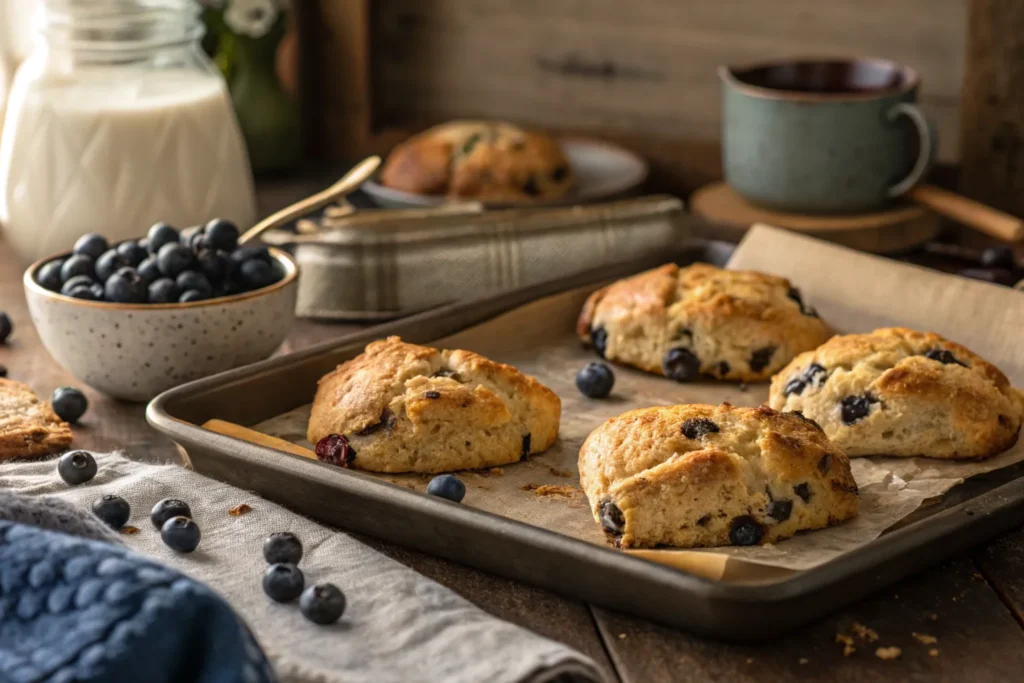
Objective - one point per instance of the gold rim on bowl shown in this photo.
(291, 274)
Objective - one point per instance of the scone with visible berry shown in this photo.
(902, 393)
(697, 476)
(28, 426)
(685, 323)
(485, 160)
(400, 407)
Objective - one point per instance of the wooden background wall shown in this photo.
(641, 72)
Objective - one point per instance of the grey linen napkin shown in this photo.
(398, 626)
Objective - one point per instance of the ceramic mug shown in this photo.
(824, 136)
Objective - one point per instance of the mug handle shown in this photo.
(927, 144)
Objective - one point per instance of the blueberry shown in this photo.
(804, 491)
(69, 403)
(760, 359)
(780, 510)
(256, 274)
(335, 450)
(144, 243)
(167, 508)
(112, 510)
(74, 283)
(697, 427)
(85, 292)
(681, 365)
(126, 286)
(283, 582)
(213, 264)
(243, 254)
(322, 604)
(6, 327)
(812, 375)
(194, 280)
(131, 252)
(97, 291)
(76, 467)
(108, 264)
(91, 245)
(180, 534)
(185, 236)
(159, 235)
(174, 259)
(943, 356)
(524, 451)
(191, 295)
(595, 380)
(612, 519)
(48, 276)
(745, 530)
(282, 547)
(79, 264)
(164, 291)
(599, 340)
(998, 257)
(794, 294)
(221, 234)
(447, 486)
(149, 270)
(854, 408)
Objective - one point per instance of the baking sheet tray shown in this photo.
(738, 606)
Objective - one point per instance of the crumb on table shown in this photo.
(847, 643)
(129, 530)
(933, 652)
(559, 473)
(888, 653)
(549, 490)
(240, 510)
(925, 639)
(864, 633)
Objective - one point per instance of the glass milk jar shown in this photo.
(117, 120)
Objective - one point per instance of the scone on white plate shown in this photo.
(400, 407)
(902, 393)
(685, 323)
(698, 475)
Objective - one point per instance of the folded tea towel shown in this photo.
(73, 609)
(398, 626)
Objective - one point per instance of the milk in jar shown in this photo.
(117, 121)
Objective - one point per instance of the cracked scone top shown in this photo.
(699, 475)
(902, 393)
(400, 407)
(701, 320)
(28, 425)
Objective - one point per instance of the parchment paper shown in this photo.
(854, 292)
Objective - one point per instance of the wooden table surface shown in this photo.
(973, 606)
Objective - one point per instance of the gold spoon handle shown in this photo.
(348, 184)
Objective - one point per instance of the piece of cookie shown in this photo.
(903, 393)
(28, 425)
(697, 475)
(400, 407)
(484, 160)
(685, 323)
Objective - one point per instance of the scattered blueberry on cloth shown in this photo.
(398, 625)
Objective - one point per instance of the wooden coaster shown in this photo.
(895, 229)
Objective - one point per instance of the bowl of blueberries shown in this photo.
(138, 317)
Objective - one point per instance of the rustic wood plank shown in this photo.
(647, 69)
(977, 640)
(992, 123)
(1002, 563)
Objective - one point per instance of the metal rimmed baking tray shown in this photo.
(983, 507)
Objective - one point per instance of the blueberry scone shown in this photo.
(484, 160)
(902, 393)
(400, 407)
(701, 320)
(28, 426)
(698, 475)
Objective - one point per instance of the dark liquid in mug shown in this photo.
(831, 77)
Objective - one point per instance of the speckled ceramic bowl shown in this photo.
(136, 351)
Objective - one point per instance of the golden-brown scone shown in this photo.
(903, 393)
(701, 320)
(697, 475)
(487, 161)
(400, 407)
(28, 425)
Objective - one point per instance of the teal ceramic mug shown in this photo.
(824, 136)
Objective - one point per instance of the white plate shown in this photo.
(602, 171)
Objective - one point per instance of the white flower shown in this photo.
(251, 17)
